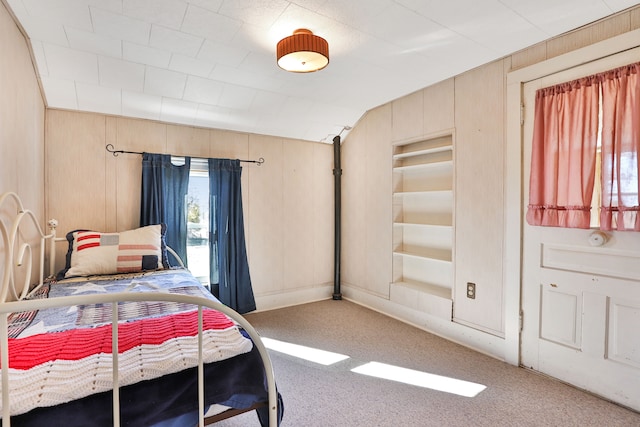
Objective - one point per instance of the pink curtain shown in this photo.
(564, 154)
(620, 147)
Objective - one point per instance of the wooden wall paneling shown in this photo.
(31, 164)
(298, 195)
(378, 234)
(587, 35)
(354, 214)
(76, 169)
(111, 177)
(529, 56)
(28, 134)
(76, 176)
(269, 202)
(479, 216)
(141, 135)
(187, 141)
(22, 149)
(634, 18)
(128, 182)
(11, 44)
(134, 135)
(438, 107)
(229, 145)
(21, 119)
(265, 219)
(407, 116)
(322, 213)
(26, 129)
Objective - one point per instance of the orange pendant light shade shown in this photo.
(302, 52)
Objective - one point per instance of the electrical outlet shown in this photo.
(471, 290)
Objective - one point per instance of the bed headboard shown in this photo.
(20, 236)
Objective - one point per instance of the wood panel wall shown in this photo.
(21, 132)
(21, 118)
(288, 201)
(473, 105)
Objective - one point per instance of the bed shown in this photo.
(129, 340)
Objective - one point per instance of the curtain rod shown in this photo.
(110, 148)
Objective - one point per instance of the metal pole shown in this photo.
(337, 173)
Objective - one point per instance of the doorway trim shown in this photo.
(514, 181)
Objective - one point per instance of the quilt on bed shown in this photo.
(64, 355)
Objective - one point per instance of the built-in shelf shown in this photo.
(423, 227)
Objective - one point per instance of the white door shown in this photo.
(581, 302)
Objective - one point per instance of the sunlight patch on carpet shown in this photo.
(311, 354)
(420, 379)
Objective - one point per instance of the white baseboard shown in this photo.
(295, 297)
(480, 341)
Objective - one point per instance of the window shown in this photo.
(198, 220)
(597, 190)
(167, 197)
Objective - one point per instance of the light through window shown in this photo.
(198, 220)
(597, 183)
(311, 354)
(420, 379)
(379, 370)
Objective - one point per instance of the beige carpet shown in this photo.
(333, 396)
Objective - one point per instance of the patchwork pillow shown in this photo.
(92, 252)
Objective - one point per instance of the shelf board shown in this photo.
(428, 288)
(424, 166)
(424, 193)
(434, 150)
(421, 225)
(428, 254)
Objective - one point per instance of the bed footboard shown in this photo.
(114, 299)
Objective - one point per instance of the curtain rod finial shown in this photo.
(110, 148)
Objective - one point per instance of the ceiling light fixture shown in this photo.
(302, 52)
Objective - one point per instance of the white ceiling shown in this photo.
(212, 63)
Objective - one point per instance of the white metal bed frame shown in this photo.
(11, 302)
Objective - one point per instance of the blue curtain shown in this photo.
(164, 191)
(230, 281)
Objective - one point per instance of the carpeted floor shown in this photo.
(333, 396)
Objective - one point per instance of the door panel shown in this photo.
(624, 339)
(580, 302)
(560, 317)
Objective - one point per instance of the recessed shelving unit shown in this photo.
(423, 224)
